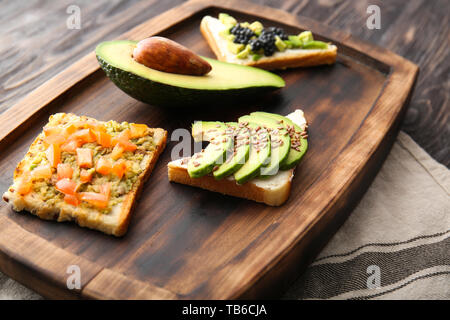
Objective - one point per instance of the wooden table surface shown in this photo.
(36, 44)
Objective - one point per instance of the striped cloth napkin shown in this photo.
(396, 243)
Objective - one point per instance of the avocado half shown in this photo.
(225, 81)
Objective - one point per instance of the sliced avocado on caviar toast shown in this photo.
(299, 143)
(259, 155)
(280, 141)
(226, 80)
(204, 162)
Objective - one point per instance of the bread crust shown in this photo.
(116, 222)
(302, 59)
(249, 190)
(130, 201)
(209, 37)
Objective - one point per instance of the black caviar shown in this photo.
(277, 31)
(242, 34)
(265, 41)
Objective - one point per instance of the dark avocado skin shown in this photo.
(156, 93)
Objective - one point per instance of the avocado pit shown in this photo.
(165, 55)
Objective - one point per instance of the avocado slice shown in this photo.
(235, 47)
(225, 81)
(280, 142)
(256, 27)
(239, 155)
(236, 156)
(244, 53)
(281, 46)
(299, 145)
(295, 41)
(259, 154)
(227, 20)
(203, 162)
(207, 130)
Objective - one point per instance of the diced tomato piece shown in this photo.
(84, 136)
(42, 172)
(105, 189)
(84, 157)
(53, 154)
(97, 199)
(86, 124)
(86, 175)
(123, 139)
(70, 129)
(103, 139)
(117, 152)
(138, 130)
(103, 166)
(57, 139)
(89, 136)
(119, 168)
(71, 146)
(127, 145)
(125, 135)
(24, 185)
(83, 123)
(64, 170)
(97, 127)
(52, 130)
(66, 186)
(78, 124)
(71, 199)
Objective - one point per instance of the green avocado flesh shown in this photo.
(226, 80)
(238, 155)
(295, 153)
(259, 154)
(204, 162)
(280, 142)
(235, 156)
(206, 130)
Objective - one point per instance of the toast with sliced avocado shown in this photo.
(270, 48)
(254, 158)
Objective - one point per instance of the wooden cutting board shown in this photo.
(189, 243)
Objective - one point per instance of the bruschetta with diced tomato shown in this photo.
(88, 171)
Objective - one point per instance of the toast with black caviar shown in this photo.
(270, 48)
(254, 158)
(83, 170)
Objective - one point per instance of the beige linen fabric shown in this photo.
(401, 226)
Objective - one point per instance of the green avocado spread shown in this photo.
(135, 162)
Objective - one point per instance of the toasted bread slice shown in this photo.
(273, 191)
(211, 28)
(46, 202)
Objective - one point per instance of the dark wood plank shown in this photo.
(37, 45)
(418, 30)
(39, 264)
(109, 284)
(189, 243)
